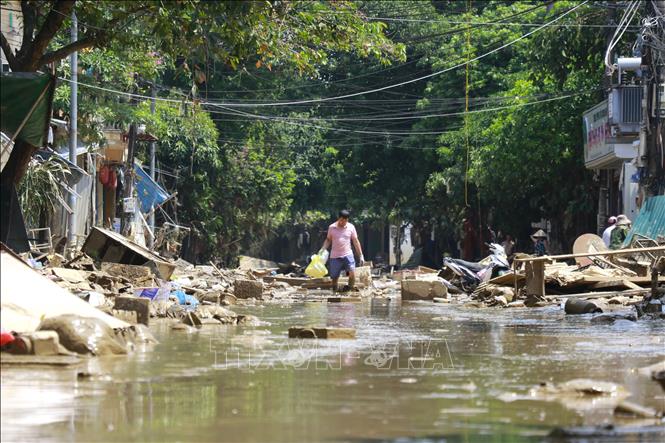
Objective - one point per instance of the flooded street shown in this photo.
(416, 372)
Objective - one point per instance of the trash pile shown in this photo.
(537, 281)
(113, 287)
(619, 280)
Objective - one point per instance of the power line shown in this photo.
(433, 74)
(290, 120)
(355, 94)
(450, 114)
(498, 23)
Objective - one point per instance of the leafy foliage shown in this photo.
(41, 189)
(404, 154)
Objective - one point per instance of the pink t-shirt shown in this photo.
(341, 239)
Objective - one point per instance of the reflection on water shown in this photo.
(417, 371)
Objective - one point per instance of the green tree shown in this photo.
(231, 32)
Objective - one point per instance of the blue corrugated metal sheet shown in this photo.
(650, 222)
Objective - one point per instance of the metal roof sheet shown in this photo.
(650, 222)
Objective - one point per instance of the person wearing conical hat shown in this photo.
(539, 243)
(620, 232)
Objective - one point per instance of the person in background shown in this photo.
(508, 245)
(340, 236)
(539, 243)
(607, 233)
(620, 232)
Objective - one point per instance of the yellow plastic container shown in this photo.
(317, 267)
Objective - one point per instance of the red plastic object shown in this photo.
(6, 338)
(104, 175)
(113, 179)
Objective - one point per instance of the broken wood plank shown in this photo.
(629, 284)
(591, 254)
(323, 333)
(70, 275)
(345, 299)
(217, 269)
(627, 292)
(293, 281)
(535, 278)
(615, 283)
(506, 279)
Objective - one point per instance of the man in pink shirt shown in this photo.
(340, 235)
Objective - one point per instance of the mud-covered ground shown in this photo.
(416, 372)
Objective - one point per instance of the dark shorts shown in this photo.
(337, 265)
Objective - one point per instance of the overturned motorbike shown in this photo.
(471, 274)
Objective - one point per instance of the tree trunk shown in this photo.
(18, 162)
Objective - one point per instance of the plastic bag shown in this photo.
(317, 267)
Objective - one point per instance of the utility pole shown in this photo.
(73, 130)
(128, 191)
(649, 156)
(151, 220)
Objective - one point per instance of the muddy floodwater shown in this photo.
(415, 372)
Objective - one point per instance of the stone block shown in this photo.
(323, 333)
(44, 342)
(140, 305)
(364, 276)
(423, 290)
(247, 288)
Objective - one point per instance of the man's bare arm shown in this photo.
(359, 250)
(326, 243)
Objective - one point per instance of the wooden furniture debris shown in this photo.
(541, 270)
(109, 246)
(535, 278)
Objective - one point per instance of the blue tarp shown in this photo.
(149, 193)
(650, 222)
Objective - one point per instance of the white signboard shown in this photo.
(596, 133)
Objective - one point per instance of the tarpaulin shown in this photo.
(26, 95)
(150, 194)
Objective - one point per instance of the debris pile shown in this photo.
(621, 277)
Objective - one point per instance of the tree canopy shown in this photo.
(423, 112)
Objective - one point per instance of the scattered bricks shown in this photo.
(423, 290)
(140, 305)
(345, 299)
(247, 288)
(324, 333)
(45, 342)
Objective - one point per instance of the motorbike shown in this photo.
(471, 274)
